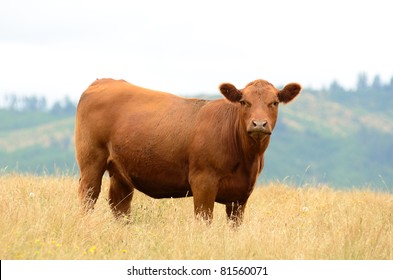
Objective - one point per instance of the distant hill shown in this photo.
(36, 142)
(336, 137)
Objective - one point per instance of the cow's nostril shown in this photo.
(259, 124)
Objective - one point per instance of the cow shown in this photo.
(167, 146)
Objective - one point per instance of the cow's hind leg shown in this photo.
(235, 213)
(120, 196)
(91, 172)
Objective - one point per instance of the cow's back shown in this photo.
(108, 106)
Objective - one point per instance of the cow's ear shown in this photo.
(231, 92)
(289, 92)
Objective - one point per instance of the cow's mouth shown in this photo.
(259, 135)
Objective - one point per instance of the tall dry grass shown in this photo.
(40, 218)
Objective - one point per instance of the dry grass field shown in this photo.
(40, 218)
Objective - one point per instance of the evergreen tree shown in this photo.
(362, 83)
(336, 87)
(377, 84)
(390, 86)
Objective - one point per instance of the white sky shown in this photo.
(58, 48)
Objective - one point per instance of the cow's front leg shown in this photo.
(204, 190)
(235, 212)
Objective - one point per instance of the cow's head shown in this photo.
(259, 102)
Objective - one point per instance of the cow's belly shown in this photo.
(160, 182)
(156, 166)
(156, 178)
(162, 188)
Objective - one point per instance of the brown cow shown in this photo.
(167, 146)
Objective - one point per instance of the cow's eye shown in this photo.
(245, 103)
(275, 104)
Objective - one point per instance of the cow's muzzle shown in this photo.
(259, 128)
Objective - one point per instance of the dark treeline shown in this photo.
(335, 91)
(38, 104)
(373, 95)
(364, 85)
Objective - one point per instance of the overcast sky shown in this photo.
(58, 48)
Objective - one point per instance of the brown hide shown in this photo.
(167, 146)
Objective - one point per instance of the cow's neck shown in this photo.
(251, 154)
(252, 149)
